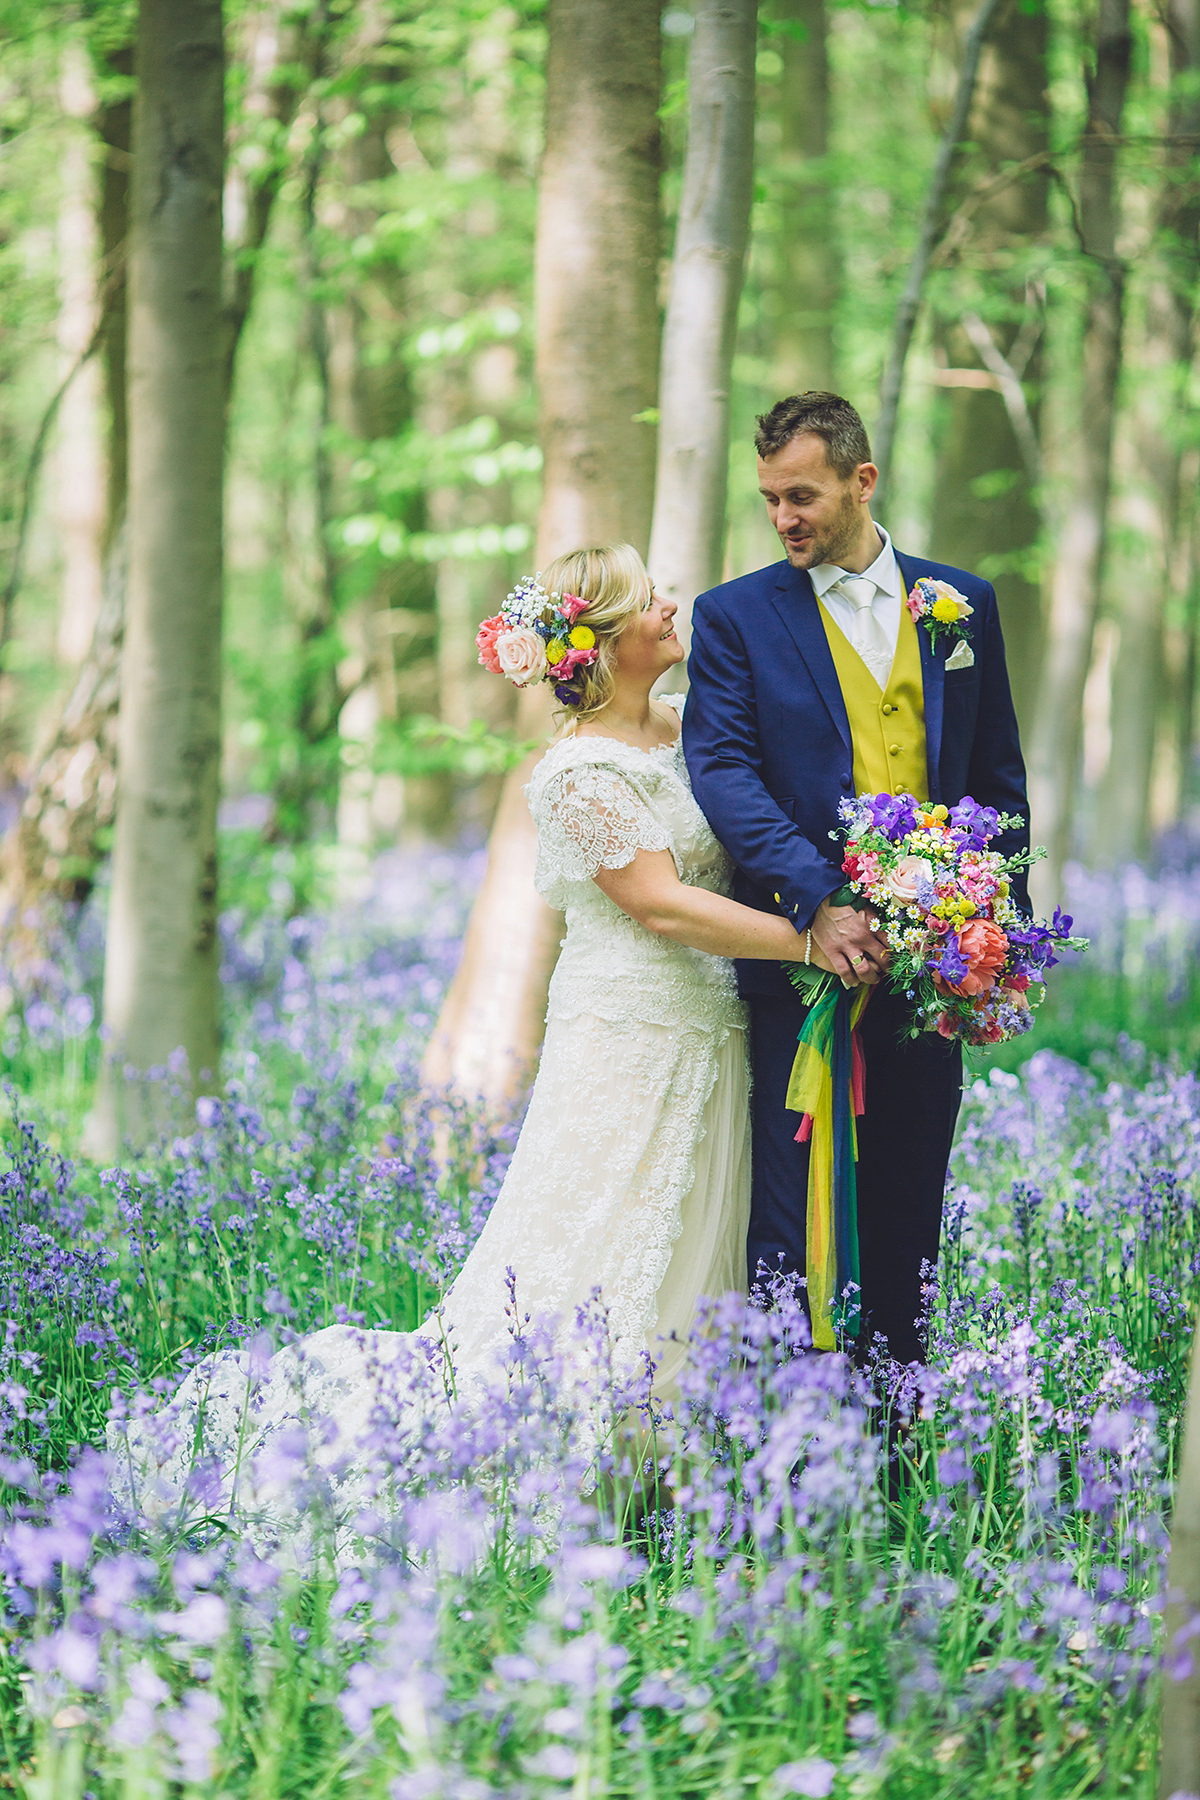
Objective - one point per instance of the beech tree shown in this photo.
(806, 250)
(596, 333)
(932, 226)
(986, 501)
(160, 978)
(688, 534)
(54, 852)
(71, 790)
(1152, 668)
(1075, 586)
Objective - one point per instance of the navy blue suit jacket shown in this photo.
(768, 746)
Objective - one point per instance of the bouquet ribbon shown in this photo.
(827, 1086)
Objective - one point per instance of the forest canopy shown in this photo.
(383, 461)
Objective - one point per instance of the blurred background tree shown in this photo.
(386, 432)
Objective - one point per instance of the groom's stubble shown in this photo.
(831, 544)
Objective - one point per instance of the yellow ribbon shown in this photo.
(810, 1091)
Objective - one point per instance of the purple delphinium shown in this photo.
(973, 825)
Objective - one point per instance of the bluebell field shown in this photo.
(812, 1580)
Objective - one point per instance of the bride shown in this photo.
(632, 1170)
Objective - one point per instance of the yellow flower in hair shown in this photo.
(582, 638)
(555, 651)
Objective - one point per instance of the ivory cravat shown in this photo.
(869, 636)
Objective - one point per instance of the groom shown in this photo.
(811, 682)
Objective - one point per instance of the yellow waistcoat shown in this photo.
(887, 729)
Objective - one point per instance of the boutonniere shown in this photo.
(942, 610)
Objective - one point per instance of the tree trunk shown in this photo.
(53, 853)
(160, 978)
(807, 270)
(596, 273)
(596, 331)
(79, 451)
(1140, 720)
(484, 149)
(986, 511)
(1187, 647)
(891, 382)
(688, 535)
(114, 127)
(1076, 580)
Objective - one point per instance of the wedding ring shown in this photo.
(859, 958)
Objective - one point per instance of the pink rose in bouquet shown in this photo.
(907, 875)
(521, 654)
(485, 643)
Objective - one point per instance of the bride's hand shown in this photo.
(819, 960)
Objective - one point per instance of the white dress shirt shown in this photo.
(869, 623)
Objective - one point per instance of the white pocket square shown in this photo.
(963, 658)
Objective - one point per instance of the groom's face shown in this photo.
(820, 515)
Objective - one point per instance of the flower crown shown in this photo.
(535, 636)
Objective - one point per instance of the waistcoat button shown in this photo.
(894, 750)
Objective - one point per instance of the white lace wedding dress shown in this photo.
(631, 1173)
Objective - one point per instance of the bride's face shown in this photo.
(648, 644)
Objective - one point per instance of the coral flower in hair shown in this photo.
(536, 636)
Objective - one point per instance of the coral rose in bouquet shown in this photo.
(973, 966)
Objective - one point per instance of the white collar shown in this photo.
(884, 571)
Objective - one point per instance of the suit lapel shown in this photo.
(933, 681)
(796, 603)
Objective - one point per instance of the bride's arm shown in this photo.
(650, 891)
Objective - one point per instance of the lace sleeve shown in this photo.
(590, 817)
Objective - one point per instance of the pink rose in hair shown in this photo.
(485, 642)
(521, 655)
(574, 659)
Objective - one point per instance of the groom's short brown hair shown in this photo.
(827, 416)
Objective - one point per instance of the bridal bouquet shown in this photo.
(973, 966)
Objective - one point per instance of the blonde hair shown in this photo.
(612, 579)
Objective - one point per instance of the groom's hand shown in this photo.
(854, 951)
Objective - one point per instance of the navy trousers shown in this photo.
(912, 1096)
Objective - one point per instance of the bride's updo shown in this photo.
(613, 582)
